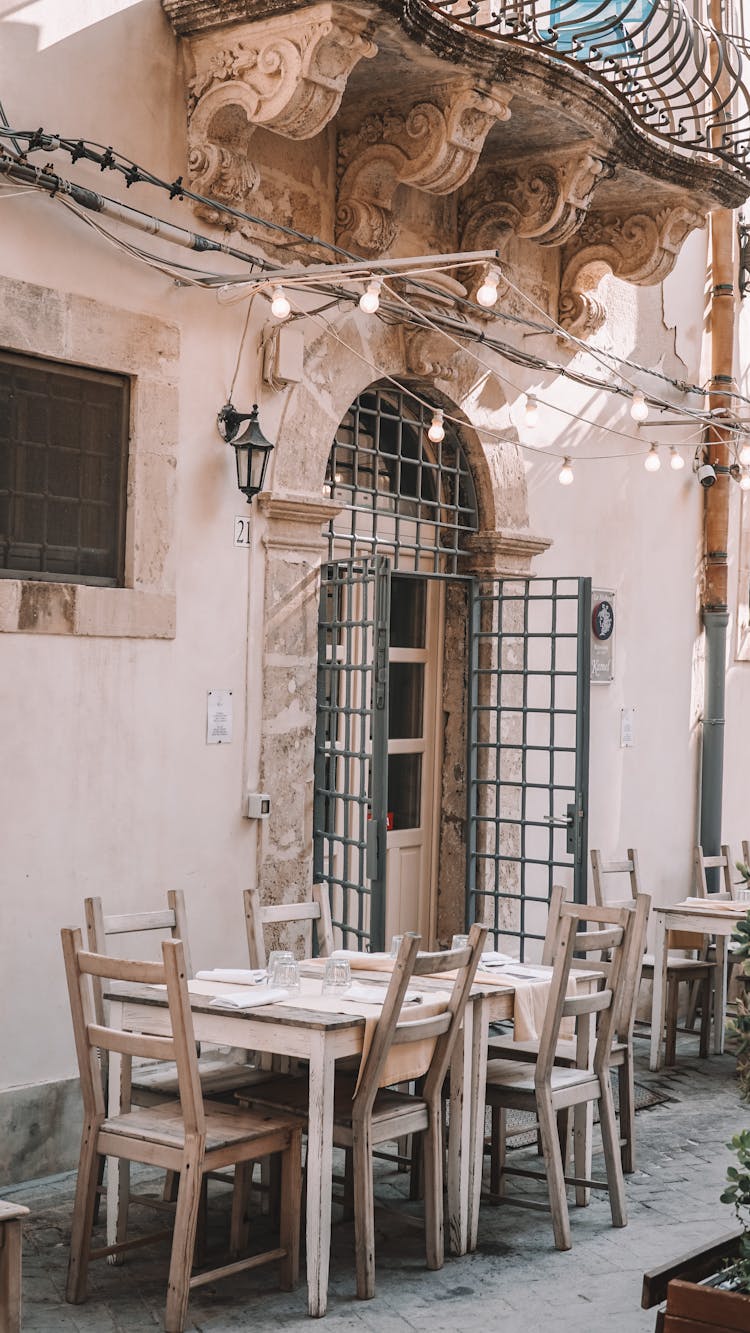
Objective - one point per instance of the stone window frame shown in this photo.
(71, 329)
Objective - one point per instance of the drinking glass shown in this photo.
(459, 941)
(396, 945)
(277, 956)
(337, 976)
(285, 973)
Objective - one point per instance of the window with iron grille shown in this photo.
(401, 494)
(63, 471)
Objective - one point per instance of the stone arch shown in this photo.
(339, 368)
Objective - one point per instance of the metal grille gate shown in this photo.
(528, 751)
(351, 746)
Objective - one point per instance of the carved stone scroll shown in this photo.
(641, 249)
(434, 146)
(287, 75)
(545, 200)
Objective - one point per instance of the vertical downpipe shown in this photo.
(714, 603)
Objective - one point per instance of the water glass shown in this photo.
(337, 976)
(277, 956)
(459, 941)
(285, 973)
(396, 945)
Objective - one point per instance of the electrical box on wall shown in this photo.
(257, 805)
(283, 356)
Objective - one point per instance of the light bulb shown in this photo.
(280, 306)
(370, 300)
(676, 461)
(531, 413)
(653, 461)
(745, 454)
(745, 481)
(565, 476)
(639, 407)
(487, 293)
(436, 433)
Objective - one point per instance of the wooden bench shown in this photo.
(10, 1266)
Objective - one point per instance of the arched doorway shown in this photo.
(392, 594)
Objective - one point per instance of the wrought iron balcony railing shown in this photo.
(680, 80)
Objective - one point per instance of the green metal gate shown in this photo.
(351, 746)
(528, 751)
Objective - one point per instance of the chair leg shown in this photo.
(364, 1213)
(433, 1189)
(612, 1158)
(348, 1185)
(238, 1228)
(183, 1241)
(83, 1215)
(555, 1177)
(626, 1099)
(695, 989)
(498, 1149)
(563, 1136)
(673, 990)
(10, 1275)
(290, 1201)
(706, 997)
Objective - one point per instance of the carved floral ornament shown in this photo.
(434, 146)
(545, 200)
(288, 76)
(641, 249)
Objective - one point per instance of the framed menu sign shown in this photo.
(602, 636)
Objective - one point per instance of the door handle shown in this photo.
(560, 821)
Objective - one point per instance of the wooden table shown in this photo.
(322, 1039)
(704, 918)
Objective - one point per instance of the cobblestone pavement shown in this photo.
(515, 1282)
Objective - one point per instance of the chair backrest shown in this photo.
(84, 968)
(600, 868)
(632, 967)
(443, 1027)
(99, 928)
(703, 863)
(317, 913)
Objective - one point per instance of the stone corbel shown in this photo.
(287, 75)
(502, 552)
(543, 200)
(641, 249)
(434, 146)
(428, 354)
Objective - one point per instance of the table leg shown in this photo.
(459, 1139)
(583, 1115)
(720, 998)
(659, 998)
(480, 1019)
(319, 1175)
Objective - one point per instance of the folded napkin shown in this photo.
(360, 993)
(235, 976)
(712, 903)
(494, 959)
(527, 972)
(372, 962)
(246, 999)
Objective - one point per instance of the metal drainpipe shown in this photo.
(716, 531)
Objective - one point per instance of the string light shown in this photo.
(653, 461)
(370, 299)
(639, 407)
(280, 307)
(531, 412)
(487, 293)
(676, 461)
(436, 433)
(565, 475)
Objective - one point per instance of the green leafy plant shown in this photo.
(744, 871)
(738, 1028)
(737, 1193)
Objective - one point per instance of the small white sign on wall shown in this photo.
(219, 717)
(627, 728)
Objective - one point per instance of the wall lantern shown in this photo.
(251, 449)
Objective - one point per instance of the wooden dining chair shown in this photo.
(219, 1073)
(680, 967)
(621, 1055)
(549, 1090)
(315, 914)
(189, 1136)
(702, 863)
(367, 1113)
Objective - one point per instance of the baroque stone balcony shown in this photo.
(605, 130)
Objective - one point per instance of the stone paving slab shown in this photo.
(515, 1282)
